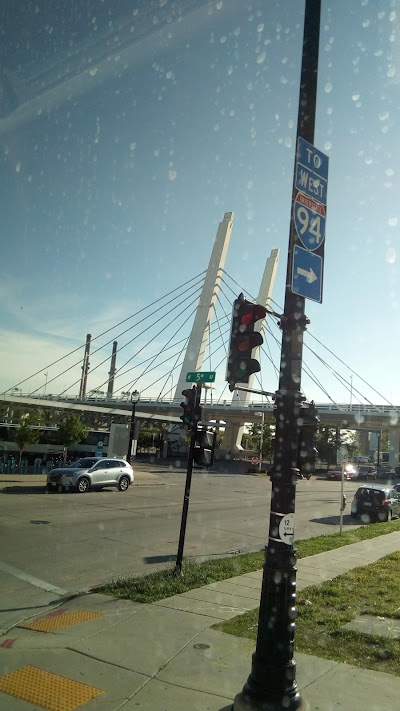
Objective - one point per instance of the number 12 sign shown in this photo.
(309, 220)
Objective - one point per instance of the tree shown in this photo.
(328, 442)
(253, 438)
(25, 435)
(71, 431)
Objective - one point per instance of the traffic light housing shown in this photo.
(308, 425)
(191, 407)
(243, 339)
(204, 446)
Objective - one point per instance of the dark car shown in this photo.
(367, 472)
(385, 471)
(377, 503)
(349, 473)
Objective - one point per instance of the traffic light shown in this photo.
(203, 453)
(191, 407)
(308, 425)
(243, 339)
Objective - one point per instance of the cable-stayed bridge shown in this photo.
(188, 329)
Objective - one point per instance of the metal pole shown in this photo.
(351, 392)
(261, 441)
(341, 497)
(272, 684)
(378, 452)
(185, 507)
(134, 401)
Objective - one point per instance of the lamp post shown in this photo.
(134, 400)
(46, 375)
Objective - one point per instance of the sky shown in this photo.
(113, 186)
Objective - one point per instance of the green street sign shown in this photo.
(200, 378)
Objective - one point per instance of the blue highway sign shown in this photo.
(311, 171)
(307, 274)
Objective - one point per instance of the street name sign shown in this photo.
(200, 377)
(309, 219)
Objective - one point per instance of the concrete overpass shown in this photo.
(234, 413)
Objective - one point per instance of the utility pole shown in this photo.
(85, 368)
(111, 375)
(272, 684)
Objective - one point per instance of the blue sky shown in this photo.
(113, 198)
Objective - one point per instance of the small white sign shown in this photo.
(286, 529)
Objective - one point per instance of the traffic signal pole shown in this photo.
(185, 507)
(272, 685)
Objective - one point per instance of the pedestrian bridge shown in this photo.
(360, 416)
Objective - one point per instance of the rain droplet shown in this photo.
(328, 87)
(391, 255)
(261, 57)
(393, 221)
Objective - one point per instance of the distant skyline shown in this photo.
(113, 198)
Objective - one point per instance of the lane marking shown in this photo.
(36, 582)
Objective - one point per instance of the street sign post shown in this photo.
(200, 377)
(309, 218)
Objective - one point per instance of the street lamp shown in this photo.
(134, 400)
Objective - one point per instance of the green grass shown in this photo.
(372, 590)
(165, 583)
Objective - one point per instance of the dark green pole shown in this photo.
(185, 507)
(272, 684)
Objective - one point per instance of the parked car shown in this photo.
(336, 475)
(385, 471)
(367, 472)
(379, 503)
(349, 473)
(91, 472)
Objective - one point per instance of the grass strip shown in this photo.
(165, 583)
(323, 610)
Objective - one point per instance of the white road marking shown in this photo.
(5, 568)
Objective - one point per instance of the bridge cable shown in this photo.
(125, 344)
(137, 336)
(104, 333)
(158, 364)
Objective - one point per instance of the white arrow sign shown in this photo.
(309, 274)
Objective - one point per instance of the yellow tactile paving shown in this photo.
(65, 619)
(50, 691)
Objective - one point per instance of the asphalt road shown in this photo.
(55, 543)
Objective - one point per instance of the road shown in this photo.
(51, 544)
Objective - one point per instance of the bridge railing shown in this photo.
(339, 408)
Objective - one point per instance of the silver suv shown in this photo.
(95, 472)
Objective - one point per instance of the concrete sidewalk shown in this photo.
(101, 654)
